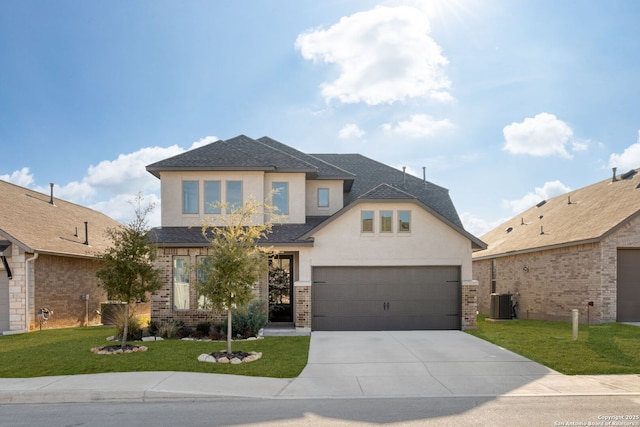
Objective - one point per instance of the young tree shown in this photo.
(128, 273)
(235, 262)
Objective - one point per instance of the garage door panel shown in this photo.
(628, 285)
(386, 298)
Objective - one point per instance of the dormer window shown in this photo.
(323, 197)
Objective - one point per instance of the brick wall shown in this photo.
(59, 283)
(162, 307)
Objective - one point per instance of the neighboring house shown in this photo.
(567, 252)
(47, 251)
(364, 246)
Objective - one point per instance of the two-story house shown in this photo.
(364, 246)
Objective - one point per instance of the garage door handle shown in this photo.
(385, 306)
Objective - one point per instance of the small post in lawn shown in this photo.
(575, 312)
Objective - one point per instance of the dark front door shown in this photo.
(281, 289)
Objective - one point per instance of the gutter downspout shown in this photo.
(26, 273)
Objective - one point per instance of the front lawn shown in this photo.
(610, 348)
(67, 352)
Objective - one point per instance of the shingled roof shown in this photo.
(239, 153)
(363, 178)
(30, 221)
(582, 216)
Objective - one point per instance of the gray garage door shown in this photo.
(628, 292)
(385, 298)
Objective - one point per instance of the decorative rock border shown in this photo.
(116, 349)
(236, 358)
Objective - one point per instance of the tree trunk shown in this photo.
(125, 329)
(229, 330)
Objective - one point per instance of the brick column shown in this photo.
(469, 304)
(303, 305)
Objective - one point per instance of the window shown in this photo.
(386, 225)
(234, 194)
(212, 197)
(190, 197)
(493, 276)
(181, 283)
(323, 197)
(201, 274)
(367, 221)
(404, 221)
(281, 197)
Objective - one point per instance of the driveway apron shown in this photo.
(411, 363)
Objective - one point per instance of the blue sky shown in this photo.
(505, 103)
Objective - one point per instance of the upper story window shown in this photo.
(234, 194)
(367, 221)
(190, 197)
(404, 221)
(212, 197)
(386, 224)
(323, 197)
(281, 197)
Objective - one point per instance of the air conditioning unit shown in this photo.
(501, 306)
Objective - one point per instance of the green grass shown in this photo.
(67, 352)
(610, 348)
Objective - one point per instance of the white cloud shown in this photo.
(543, 135)
(111, 185)
(418, 126)
(479, 226)
(203, 141)
(629, 159)
(383, 55)
(548, 190)
(21, 177)
(351, 130)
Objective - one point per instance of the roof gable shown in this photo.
(32, 222)
(580, 216)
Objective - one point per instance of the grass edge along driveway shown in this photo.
(56, 352)
(608, 348)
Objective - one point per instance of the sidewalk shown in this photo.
(154, 386)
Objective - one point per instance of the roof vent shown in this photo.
(51, 197)
(86, 233)
(522, 221)
(541, 203)
(424, 175)
(629, 174)
(508, 230)
(541, 230)
(614, 179)
(404, 175)
(569, 202)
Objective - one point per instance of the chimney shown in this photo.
(614, 179)
(51, 198)
(86, 233)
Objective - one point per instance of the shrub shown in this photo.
(170, 329)
(203, 328)
(248, 321)
(115, 316)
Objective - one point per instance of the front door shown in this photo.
(281, 289)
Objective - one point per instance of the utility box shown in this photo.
(501, 306)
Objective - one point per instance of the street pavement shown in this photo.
(343, 365)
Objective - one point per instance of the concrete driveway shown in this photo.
(412, 363)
